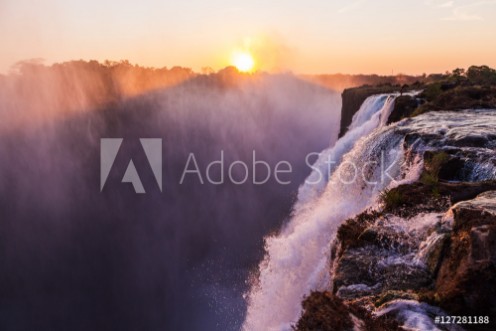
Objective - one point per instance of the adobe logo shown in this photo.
(109, 147)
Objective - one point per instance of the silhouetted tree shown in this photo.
(482, 75)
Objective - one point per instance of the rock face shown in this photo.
(353, 98)
(466, 282)
(385, 257)
(404, 106)
(428, 248)
(325, 311)
(396, 266)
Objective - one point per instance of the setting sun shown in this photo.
(243, 61)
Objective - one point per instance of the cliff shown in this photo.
(427, 246)
(457, 272)
(432, 244)
(353, 98)
(475, 89)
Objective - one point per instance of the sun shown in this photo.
(243, 61)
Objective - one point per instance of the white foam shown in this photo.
(297, 259)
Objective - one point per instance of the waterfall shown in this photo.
(297, 259)
(369, 117)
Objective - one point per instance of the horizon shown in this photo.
(209, 70)
(359, 37)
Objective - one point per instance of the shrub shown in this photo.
(432, 91)
(481, 75)
(437, 161)
(391, 199)
(429, 179)
(434, 163)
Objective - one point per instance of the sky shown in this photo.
(312, 36)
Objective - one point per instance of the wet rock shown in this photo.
(349, 232)
(404, 106)
(399, 277)
(353, 267)
(384, 237)
(436, 244)
(466, 282)
(454, 169)
(455, 255)
(324, 311)
(414, 315)
(367, 258)
(434, 197)
(371, 270)
(395, 295)
(357, 291)
(465, 191)
(418, 198)
(471, 141)
(353, 98)
(418, 256)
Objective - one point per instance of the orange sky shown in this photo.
(313, 36)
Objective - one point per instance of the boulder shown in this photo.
(323, 311)
(466, 281)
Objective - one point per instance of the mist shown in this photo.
(77, 258)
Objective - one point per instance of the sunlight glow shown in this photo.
(243, 61)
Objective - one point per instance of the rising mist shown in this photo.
(77, 258)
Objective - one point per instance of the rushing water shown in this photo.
(297, 259)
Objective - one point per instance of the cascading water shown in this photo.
(297, 259)
(370, 116)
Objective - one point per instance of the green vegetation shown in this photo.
(391, 199)
(474, 88)
(429, 179)
(433, 165)
(432, 91)
(482, 75)
(437, 161)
